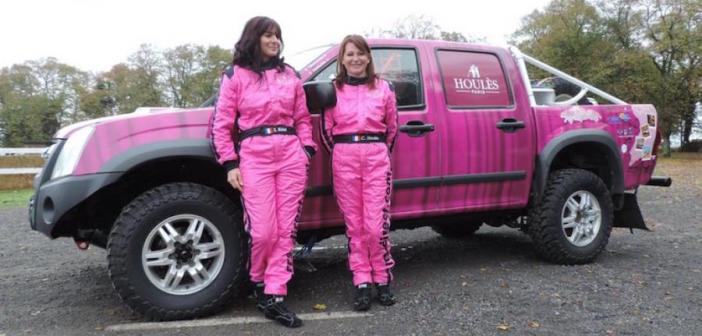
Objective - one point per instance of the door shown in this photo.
(486, 153)
(414, 157)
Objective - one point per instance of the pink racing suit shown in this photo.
(360, 132)
(273, 164)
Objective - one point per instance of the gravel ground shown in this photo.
(642, 284)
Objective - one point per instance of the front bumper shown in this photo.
(55, 198)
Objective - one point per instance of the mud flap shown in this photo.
(629, 216)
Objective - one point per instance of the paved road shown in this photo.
(642, 284)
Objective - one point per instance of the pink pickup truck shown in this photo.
(479, 143)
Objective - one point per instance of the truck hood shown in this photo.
(65, 132)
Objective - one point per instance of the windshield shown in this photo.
(302, 58)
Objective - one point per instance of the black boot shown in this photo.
(363, 297)
(274, 309)
(385, 297)
(258, 295)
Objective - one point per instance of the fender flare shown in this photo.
(557, 144)
(125, 161)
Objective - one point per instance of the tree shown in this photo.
(192, 73)
(97, 100)
(36, 98)
(421, 28)
(453, 36)
(415, 27)
(125, 87)
(181, 65)
(668, 37)
(673, 31)
(643, 51)
(63, 85)
(216, 59)
(145, 66)
(568, 35)
(128, 86)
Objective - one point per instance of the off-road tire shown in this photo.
(139, 217)
(545, 226)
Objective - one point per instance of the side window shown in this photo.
(329, 73)
(473, 79)
(398, 66)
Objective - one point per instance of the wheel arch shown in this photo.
(93, 218)
(593, 150)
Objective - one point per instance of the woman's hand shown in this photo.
(234, 178)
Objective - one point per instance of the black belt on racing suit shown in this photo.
(266, 131)
(359, 138)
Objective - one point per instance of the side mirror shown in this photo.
(321, 95)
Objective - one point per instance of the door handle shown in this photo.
(416, 128)
(510, 125)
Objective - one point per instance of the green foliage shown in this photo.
(38, 97)
(567, 35)
(192, 73)
(128, 86)
(674, 32)
(453, 36)
(643, 51)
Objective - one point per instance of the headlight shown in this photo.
(71, 152)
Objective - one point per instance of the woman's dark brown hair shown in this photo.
(247, 51)
(361, 44)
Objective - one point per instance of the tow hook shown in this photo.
(85, 237)
(82, 244)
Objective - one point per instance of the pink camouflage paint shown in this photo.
(623, 122)
(465, 141)
(471, 149)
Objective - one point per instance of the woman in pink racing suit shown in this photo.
(262, 105)
(360, 132)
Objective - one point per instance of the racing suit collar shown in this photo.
(270, 64)
(355, 81)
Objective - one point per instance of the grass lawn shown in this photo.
(15, 198)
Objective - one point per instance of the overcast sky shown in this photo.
(93, 35)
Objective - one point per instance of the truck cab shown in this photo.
(439, 168)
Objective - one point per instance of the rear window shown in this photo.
(473, 80)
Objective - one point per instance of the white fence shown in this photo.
(20, 151)
(19, 171)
